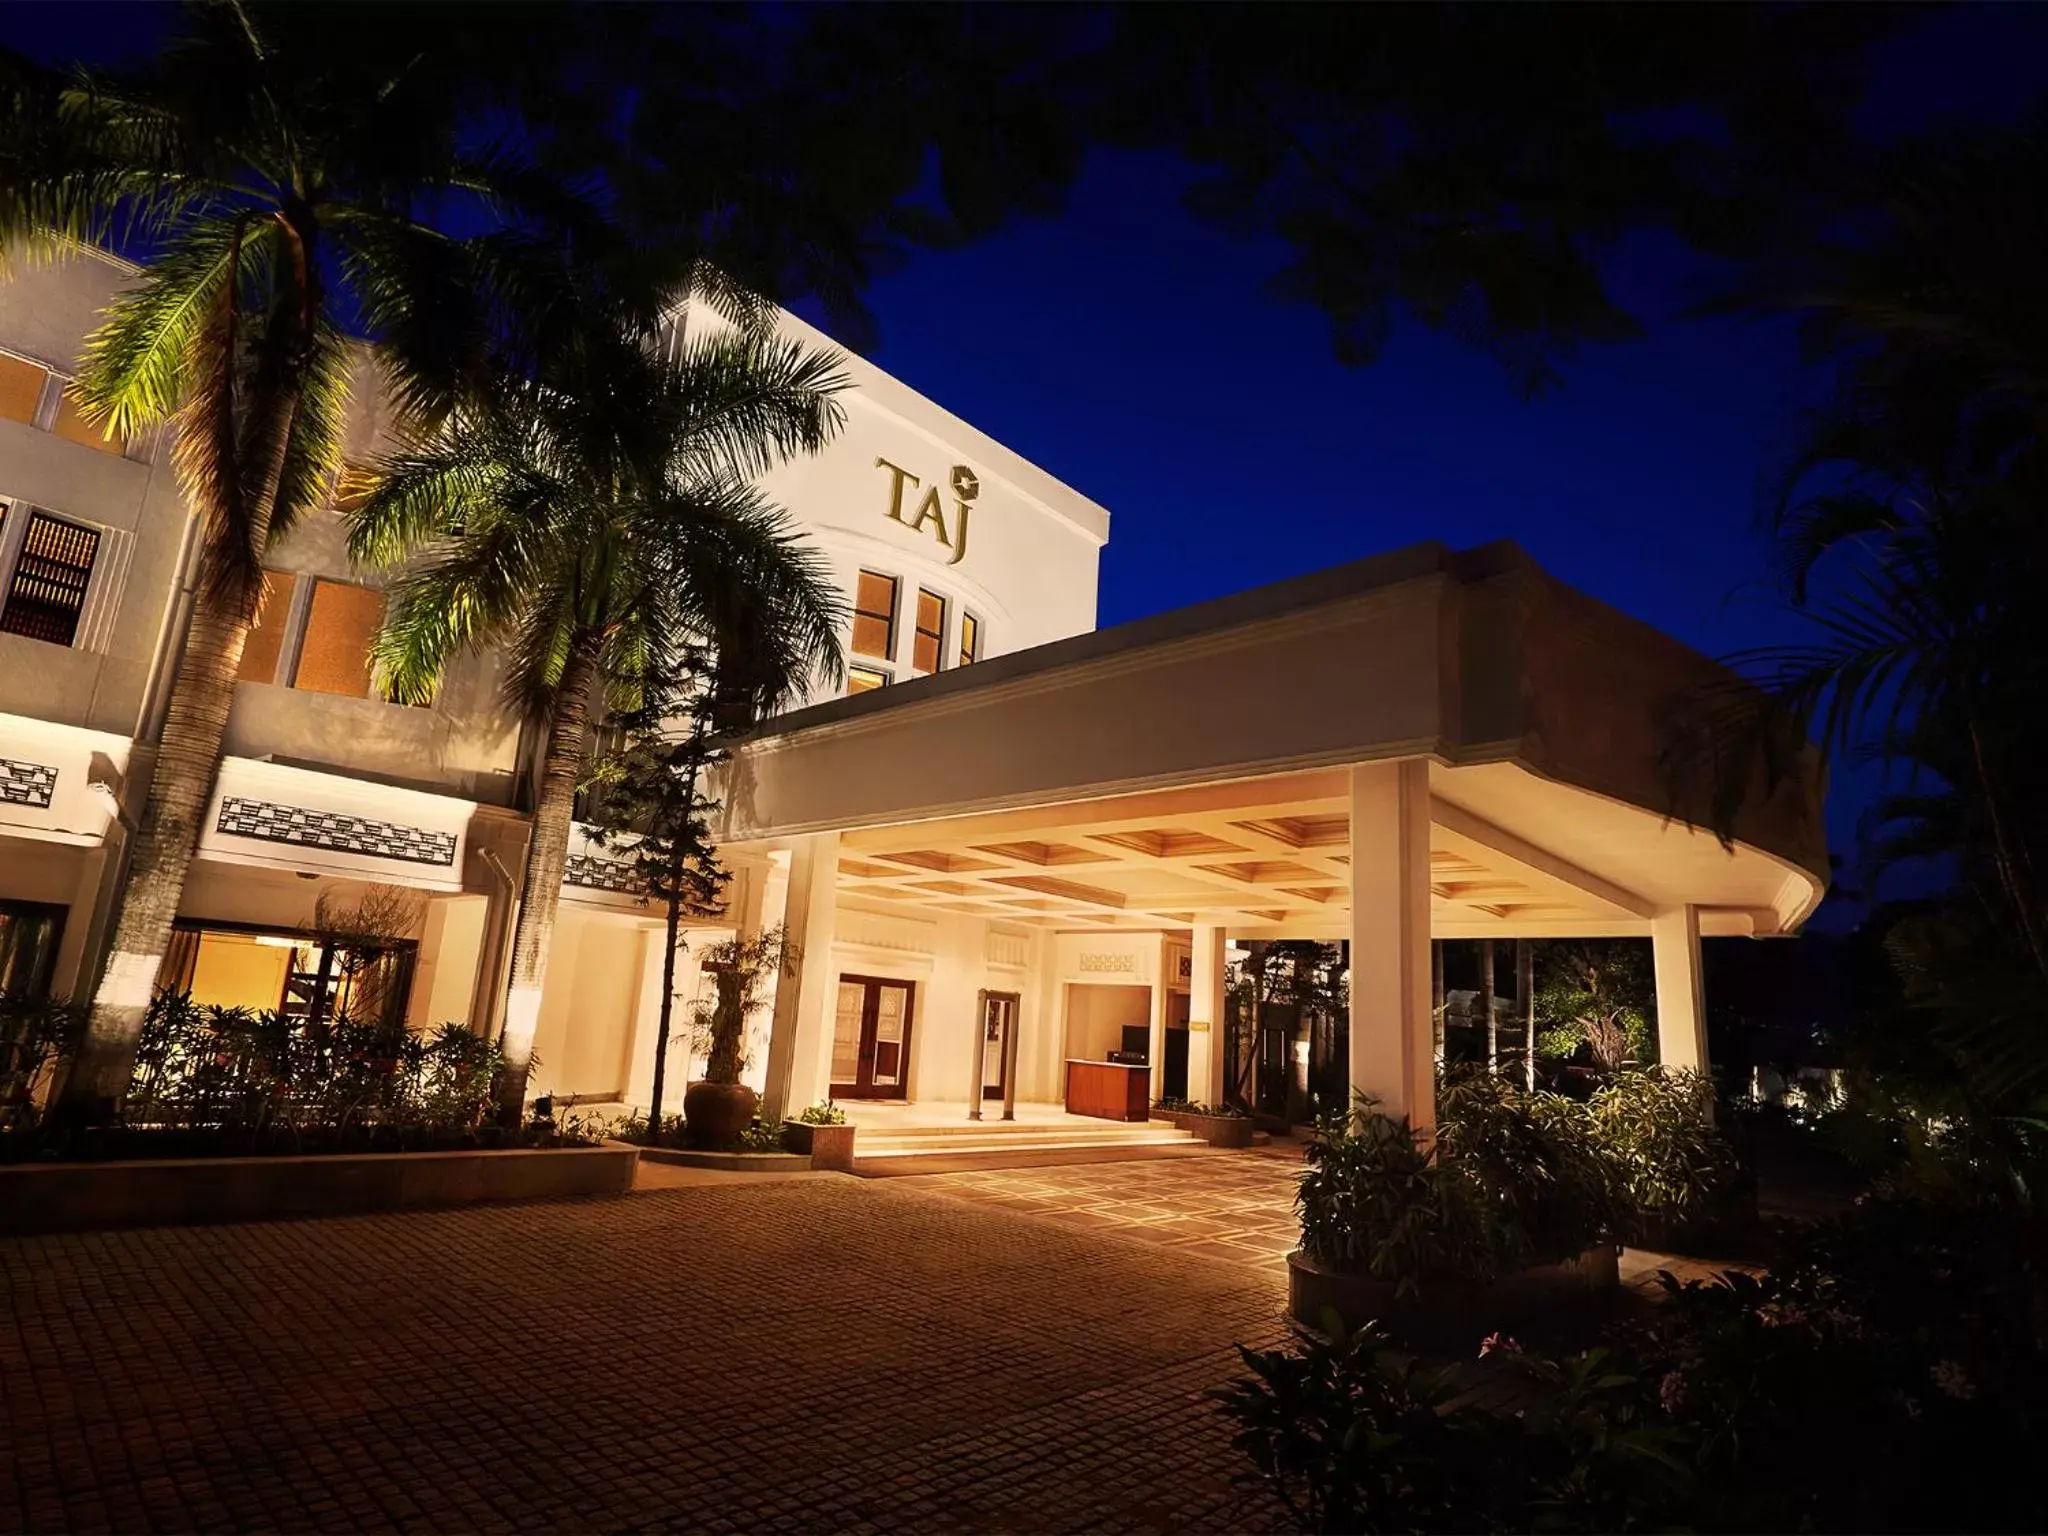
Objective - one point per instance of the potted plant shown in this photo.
(822, 1133)
(1220, 1125)
(718, 1108)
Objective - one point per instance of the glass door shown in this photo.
(871, 1038)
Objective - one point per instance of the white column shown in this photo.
(1205, 1017)
(1392, 1053)
(802, 1031)
(1155, 1049)
(1681, 1001)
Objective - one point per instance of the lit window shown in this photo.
(874, 617)
(970, 639)
(930, 638)
(21, 389)
(341, 622)
(47, 595)
(266, 635)
(72, 425)
(865, 679)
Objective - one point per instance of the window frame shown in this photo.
(937, 636)
(882, 679)
(17, 522)
(969, 657)
(888, 656)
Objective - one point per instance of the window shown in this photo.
(71, 424)
(47, 595)
(29, 935)
(266, 635)
(874, 617)
(304, 976)
(930, 640)
(21, 389)
(865, 679)
(970, 639)
(334, 655)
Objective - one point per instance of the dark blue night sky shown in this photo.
(1127, 349)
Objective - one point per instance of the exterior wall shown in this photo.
(590, 1005)
(1025, 569)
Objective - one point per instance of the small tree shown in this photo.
(741, 967)
(1598, 994)
(652, 807)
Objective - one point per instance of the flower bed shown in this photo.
(1451, 1314)
(1221, 1125)
(52, 1197)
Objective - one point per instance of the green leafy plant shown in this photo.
(740, 968)
(764, 1135)
(1375, 1202)
(1350, 1435)
(826, 1113)
(1536, 1161)
(1178, 1106)
(1655, 1129)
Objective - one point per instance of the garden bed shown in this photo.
(827, 1146)
(1217, 1130)
(1452, 1314)
(72, 1196)
(727, 1162)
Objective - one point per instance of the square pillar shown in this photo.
(1681, 1000)
(1155, 1046)
(1393, 1055)
(1205, 1017)
(804, 993)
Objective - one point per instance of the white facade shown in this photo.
(1027, 841)
(424, 799)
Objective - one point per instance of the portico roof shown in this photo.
(1193, 767)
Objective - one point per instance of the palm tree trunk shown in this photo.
(1525, 985)
(1486, 1005)
(547, 857)
(180, 784)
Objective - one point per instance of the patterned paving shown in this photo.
(1237, 1207)
(824, 1353)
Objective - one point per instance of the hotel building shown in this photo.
(1008, 841)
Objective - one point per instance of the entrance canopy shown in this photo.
(1195, 769)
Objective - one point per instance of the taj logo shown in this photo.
(931, 507)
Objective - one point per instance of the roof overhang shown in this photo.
(1190, 767)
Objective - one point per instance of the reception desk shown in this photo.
(1107, 1090)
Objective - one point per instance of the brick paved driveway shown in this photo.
(823, 1354)
(1238, 1207)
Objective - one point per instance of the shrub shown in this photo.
(1350, 1436)
(764, 1135)
(1534, 1158)
(211, 1080)
(1374, 1202)
(1177, 1106)
(822, 1114)
(1669, 1164)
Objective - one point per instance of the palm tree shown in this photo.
(592, 519)
(276, 174)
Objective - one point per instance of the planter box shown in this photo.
(55, 1197)
(1217, 1130)
(725, 1162)
(1453, 1314)
(827, 1146)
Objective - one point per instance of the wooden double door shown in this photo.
(871, 1037)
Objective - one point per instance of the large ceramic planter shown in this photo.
(827, 1146)
(1217, 1130)
(715, 1114)
(1451, 1315)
